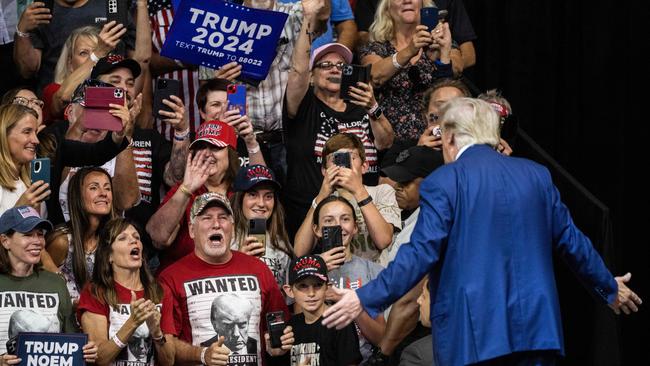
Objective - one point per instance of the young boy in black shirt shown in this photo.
(308, 283)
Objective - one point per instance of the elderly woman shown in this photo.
(211, 167)
(315, 110)
(406, 59)
(18, 144)
(118, 308)
(22, 235)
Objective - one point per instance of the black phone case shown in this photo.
(332, 237)
(164, 89)
(350, 75)
(429, 17)
(342, 159)
(275, 327)
(118, 10)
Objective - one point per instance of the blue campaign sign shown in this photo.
(64, 349)
(214, 33)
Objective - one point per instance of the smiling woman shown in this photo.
(18, 144)
(71, 247)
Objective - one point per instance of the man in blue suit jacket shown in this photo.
(487, 229)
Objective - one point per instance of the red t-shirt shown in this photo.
(48, 94)
(183, 244)
(232, 299)
(140, 349)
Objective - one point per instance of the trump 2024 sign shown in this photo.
(214, 33)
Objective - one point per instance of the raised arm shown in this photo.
(106, 42)
(298, 81)
(26, 56)
(163, 225)
(179, 121)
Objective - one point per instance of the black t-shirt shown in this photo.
(307, 133)
(151, 152)
(325, 346)
(461, 27)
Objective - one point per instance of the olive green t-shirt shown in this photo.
(39, 302)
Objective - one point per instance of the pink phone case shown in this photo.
(97, 115)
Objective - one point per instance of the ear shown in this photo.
(316, 231)
(202, 114)
(4, 239)
(288, 290)
(365, 166)
(191, 230)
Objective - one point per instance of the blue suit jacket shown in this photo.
(487, 228)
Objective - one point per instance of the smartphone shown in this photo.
(97, 115)
(257, 228)
(40, 170)
(429, 17)
(342, 158)
(351, 74)
(118, 11)
(237, 97)
(11, 345)
(332, 237)
(436, 131)
(164, 88)
(275, 326)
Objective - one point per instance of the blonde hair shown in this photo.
(10, 114)
(471, 121)
(61, 71)
(383, 28)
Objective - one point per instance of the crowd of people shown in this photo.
(308, 228)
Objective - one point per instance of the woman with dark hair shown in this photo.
(71, 248)
(347, 270)
(118, 308)
(256, 197)
(32, 300)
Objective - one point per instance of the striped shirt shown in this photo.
(264, 102)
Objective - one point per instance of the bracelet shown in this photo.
(314, 204)
(184, 190)
(117, 341)
(22, 34)
(364, 202)
(181, 136)
(205, 349)
(94, 58)
(374, 108)
(254, 150)
(395, 63)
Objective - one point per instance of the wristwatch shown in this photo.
(376, 113)
(378, 358)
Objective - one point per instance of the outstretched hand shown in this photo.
(626, 299)
(344, 311)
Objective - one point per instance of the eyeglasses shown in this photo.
(327, 65)
(27, 102)
(433, 118)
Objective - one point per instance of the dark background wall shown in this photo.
(576, 76)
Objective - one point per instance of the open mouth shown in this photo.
(135, 253)
(35, 252)
(215, 237)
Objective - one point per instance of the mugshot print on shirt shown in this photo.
(227, 306)
(139, 348)
(23, 311)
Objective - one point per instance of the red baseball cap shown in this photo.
(216, 133)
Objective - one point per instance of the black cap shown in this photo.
(415, 162)
(305, 266)
(112, 62)
(252, 175)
